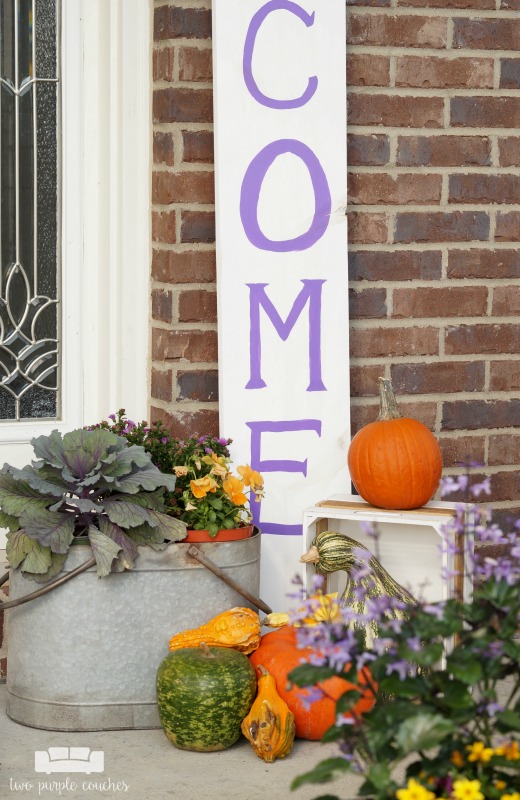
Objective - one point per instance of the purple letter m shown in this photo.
(310, 293)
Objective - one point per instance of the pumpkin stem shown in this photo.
(388, 405)
(206, 651)
(312, 556)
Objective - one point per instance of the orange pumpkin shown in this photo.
(279, 654)
(394, 462)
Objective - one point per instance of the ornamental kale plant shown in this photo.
(91, 485)
(446, 679)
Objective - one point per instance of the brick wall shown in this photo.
(434, 222)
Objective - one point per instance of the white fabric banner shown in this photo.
(280, 162)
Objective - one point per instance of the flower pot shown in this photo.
(85, 656)
(223, 535)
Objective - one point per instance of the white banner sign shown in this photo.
(280, 162)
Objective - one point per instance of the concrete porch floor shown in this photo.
(151, 768)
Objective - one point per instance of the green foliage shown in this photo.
(89, 484)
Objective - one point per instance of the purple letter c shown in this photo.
(249, 44)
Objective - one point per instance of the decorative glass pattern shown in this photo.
(29, 286)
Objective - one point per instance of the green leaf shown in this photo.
(148, 477)
(325, 771)
(49, 528)
(422, 731)
(465, 666)
(128, 552)
(310, 675)
(121, 511)
(456, 695)
(38, 559)
(57, 562)
(508, 721)
(6, 521)
(16, 496)
(104, 549)
(17, 547)
(379, 775)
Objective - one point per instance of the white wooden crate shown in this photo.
(409, 545)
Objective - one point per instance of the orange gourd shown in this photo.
(238, 628)
(279, 654)
(394, 462)
(269, 726)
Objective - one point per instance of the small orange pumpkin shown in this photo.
(394, 462)
(279, 654)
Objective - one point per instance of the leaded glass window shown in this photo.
(29, 319)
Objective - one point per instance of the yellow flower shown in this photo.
(202, 486)
(479, 752)
(514, 796)
(414, 791)
(463, 789)
(500, 785)
(234, 488)
(511, 750)
(217, 464)
(180, 471)
(457, 759)
(251, 478)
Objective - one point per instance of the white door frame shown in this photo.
(105, 218)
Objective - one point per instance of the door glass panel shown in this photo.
(29, 105)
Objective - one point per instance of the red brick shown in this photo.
(161, 385)
(505, 486)
(462, 450)
(369, 3)
(368, 70)
(3, 668)
(362, 415)
(163, 148)
(198, 226)
(198, 146)
(458, 226)
(201, 386)
(510, 4)
(506, 301)
(183, 187)
(484, 188)
(484, 338)
(480, 4)
(382, 189)
(195, 64)
(397, 31)
(394, 265)
(486, 34)
(182, 105)
(188, 423)
(425, 301)
(473, 414)
(427, 72)
(485, 112)
(188, 266)
(393, 110)
(504, 376)
(443, 151)
(372, 150)
(364, 379)
(173, 22)
(162, 305)
(163, 227)
(191, 345)
(483, 263)
(510, 73)
(509, 151)
(508, 227)
(503, 449)
(367, 228)
(163, 64)
(367, 304)
(386, 342)
(442, 377)
(197, 306)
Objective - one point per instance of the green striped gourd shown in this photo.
(203, 694)
(331, 551)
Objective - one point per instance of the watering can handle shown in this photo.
(202, 559)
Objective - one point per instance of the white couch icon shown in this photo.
(69, 759)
